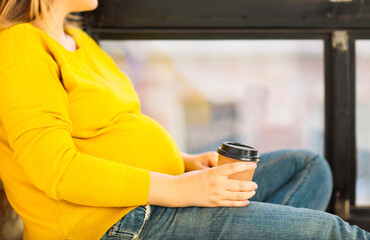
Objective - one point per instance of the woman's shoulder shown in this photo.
(21, 40)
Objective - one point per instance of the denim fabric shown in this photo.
(298, 179)
(130, 226)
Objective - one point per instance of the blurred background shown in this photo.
(268, 94)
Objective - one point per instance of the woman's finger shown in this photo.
(200, 166)
(239, 196)
(240, 186)
(212, 159)
(231, 168)
(227, 203)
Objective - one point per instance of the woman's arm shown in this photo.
(203, 188)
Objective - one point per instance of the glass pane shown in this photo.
(268, 94)
(362, 122)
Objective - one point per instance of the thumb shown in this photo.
(210, 159)
(213, 159)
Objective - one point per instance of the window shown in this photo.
(362, 122)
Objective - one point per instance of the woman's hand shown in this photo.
(210, 187)
(199, 161)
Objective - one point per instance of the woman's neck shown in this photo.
(54, 27)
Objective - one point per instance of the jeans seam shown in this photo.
(276, 160)
(300, 181)
(147, 214)
(284, 156)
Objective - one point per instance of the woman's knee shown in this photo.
(321, 167)
(302, 159)
(321, 180)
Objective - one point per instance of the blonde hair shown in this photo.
(24, 11)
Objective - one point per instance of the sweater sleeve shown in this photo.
(34, 111)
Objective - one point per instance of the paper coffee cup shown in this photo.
(230, 152)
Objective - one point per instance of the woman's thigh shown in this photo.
(298, 178)
(255, 221)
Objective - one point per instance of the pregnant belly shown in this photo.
(138, 141)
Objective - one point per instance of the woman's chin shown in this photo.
(87, 5)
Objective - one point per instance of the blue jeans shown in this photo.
(293, 189)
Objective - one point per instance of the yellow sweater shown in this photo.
(75, 150)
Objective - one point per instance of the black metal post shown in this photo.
(340, 142)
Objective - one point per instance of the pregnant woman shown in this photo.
(80, 161)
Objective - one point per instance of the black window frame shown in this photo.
(339, 23)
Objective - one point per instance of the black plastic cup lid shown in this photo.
(238, 151)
